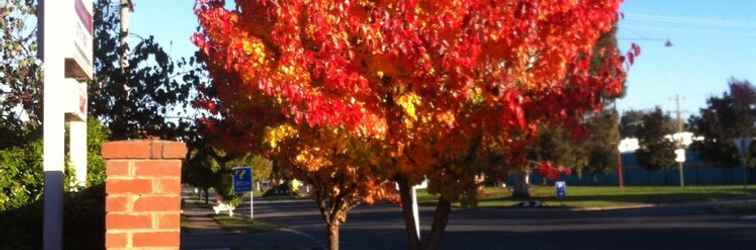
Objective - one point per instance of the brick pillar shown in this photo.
(143, 187)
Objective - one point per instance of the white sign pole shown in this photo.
(743, 144)
(76, 116)
(680, 159)
(78, 150)
(65, 29)
(53, 128)
(416, 210)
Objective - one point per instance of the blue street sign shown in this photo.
(242, 180)
(561, 189)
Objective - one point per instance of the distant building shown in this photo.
(630, 145)
(687, 138)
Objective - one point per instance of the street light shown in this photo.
(743, 144)
(668, 43)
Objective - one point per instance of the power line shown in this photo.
(686, 20)
(692, 25)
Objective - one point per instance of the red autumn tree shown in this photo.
(447, 87)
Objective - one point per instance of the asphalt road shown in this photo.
(380, 227)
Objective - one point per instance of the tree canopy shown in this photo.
(725, 118)
(144, 98)
(656, 150)
(434, 86)
(20, 75)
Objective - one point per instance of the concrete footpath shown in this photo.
(201, 232)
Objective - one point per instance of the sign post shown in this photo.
(680, 159)
(65, 47)
(415, 210)
(743, 145)
(242, 182)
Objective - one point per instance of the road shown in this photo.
(380, 227)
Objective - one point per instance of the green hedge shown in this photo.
(21, 189)
(83, 222)
(21, 175)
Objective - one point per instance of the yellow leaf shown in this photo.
(408, 102)
(278, 134)
(255, 50)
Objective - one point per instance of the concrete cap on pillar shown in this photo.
(143, 149)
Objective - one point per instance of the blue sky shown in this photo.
(712, 41)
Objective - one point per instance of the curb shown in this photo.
(652, 205)
(748, 217)
(614, 207)
(320, 245)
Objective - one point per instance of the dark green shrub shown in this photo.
(83, 222)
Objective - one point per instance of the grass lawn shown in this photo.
(244, 225)
(598, 196)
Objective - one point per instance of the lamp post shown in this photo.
(743, 144)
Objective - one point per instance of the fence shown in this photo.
(696, 173)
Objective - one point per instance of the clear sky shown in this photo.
(712, 41)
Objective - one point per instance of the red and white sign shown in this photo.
(74, 101)
(79, 58)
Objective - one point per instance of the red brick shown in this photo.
(116, 240)
(156, 149)
(117, 168)
(174, 150)
(144, 149)
(158, 168)
(119, 221)
(116, 204)
(170, 221)
(170, 239)
(169, 186)
(139, 186)
(126, 150)
(157, 203)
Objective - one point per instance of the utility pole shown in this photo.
(679, 141)
(620, 176)
(126, 8)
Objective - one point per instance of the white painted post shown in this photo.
(74, 102)
(78, 150)
(65, 48)
(415, 211)
(743, 144)
(53, 129)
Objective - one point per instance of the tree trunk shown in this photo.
(521, 184)
(413, 241)
(440, 220)
(333, 235)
